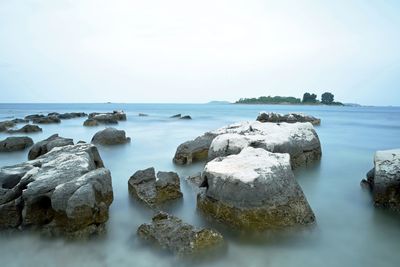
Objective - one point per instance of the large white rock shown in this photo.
(254, 189)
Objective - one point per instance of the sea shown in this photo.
(349, 230)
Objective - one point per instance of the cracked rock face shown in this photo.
(152, 189)
(384, 179)
(66, 191)
(289, 118)
(254, 190)
(44, 146)
(298, 139)
(173, 234)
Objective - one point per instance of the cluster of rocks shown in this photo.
(53, 117)
(384, 179)
(96, 118)
(298, 139)
(152, 189)
(179, 116)
(28, 128)
(110, 136)
(15, 143)
(66, 191)
(289, 118)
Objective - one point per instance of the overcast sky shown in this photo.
(197, 51)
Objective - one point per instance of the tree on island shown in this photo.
(309, 98)
(327, 98)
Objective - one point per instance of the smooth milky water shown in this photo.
(349, 230)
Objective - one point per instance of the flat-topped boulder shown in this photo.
(289, 118)
(44, 146)
(29, 128)
(72, 115)
(152, 189)
(298, 139)
(15, 143)
(108, 117)
(110, 136)
(384, 179)
(67, 192)
(254, 190)
(171, 233)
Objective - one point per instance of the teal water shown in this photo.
(349, 230)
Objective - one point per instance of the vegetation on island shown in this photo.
(327, 98)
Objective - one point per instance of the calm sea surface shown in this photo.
(349, 230)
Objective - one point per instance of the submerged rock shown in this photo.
(186, 117)
(110, 136)
(15, 143)
(171, 233)
(17, 120)
(298, 139)
(72, 115)
(5, 125)
(29, 128)
(67, 192)
(44, 146)
(108, 118)
(153, 190)
(384, 179)
(254, 190)
(290, 118)
(176, 116)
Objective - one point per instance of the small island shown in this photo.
(327, 98)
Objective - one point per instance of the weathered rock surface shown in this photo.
(90, 122)
(17, 120)
(169, 232)
(254, 190)
(72, 115)
(65, 192)
(15, 143)
(46, 119)
(384, 179)
(29, 128)
(108, 118)
(153, 190)
(110, 136)
(44, 146)
(289, 118)
(5, 125)
(298, 139)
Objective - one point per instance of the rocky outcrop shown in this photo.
(46, 119)
(15, 143)
(171, 233)
(186, 117)
(254, 190)
(17, 120)
(29, 128)
(108, 118)
(5, 125)
(90, 123)
(298, 139)
(44, 146)
(384, 179)
(289, 118)
(65, 192)
(110, 136)
(72, 115)
(153, 190)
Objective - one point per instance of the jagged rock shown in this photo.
(298, 139)
(29, 128)
(67, 191)
(19, 120)
(290, 118)
(48, 144)
(153, 190)
(46, 119)
(173, 234)
(15, 143)
(176, 116)
(90, 122)
(384, 179)
(253, 190)
(110, 136)
(186, 117)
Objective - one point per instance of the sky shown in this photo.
(183, 51)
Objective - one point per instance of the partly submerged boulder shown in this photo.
(109, 117)
(67, 191)
(153, 190)
(384, 179)
(186, 117)
(110, 136)
(29, 128)
(176, 116)
(72, 115)
(15, 143)
(290, 118)
(90, 123)
(46, 119)
(5, 125)
(181, 238)
(298, 139)
(48, 144)
(254, 190)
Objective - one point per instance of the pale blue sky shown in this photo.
(197, 51)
